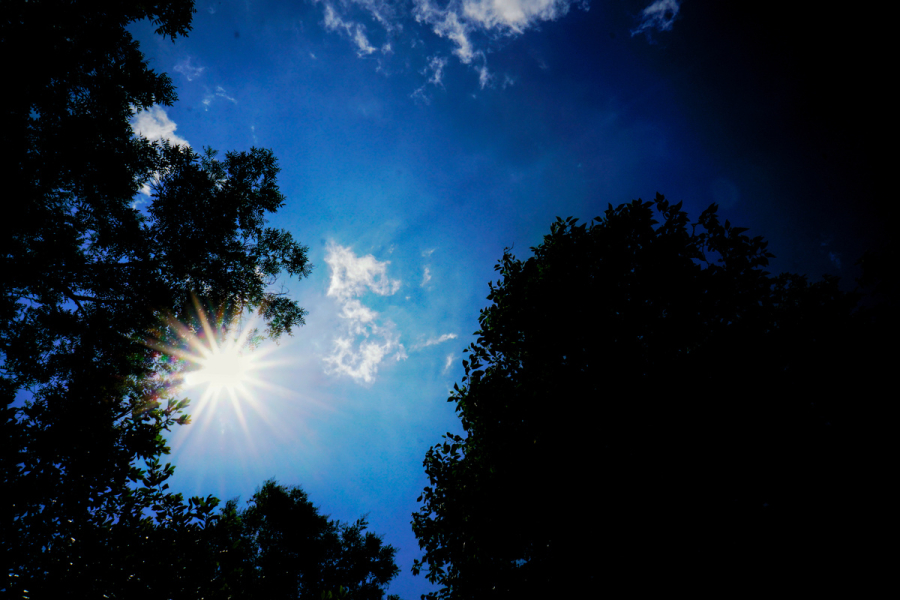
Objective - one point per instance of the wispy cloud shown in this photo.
(219, 93)
(659, 15)
(434, 70)
(509, 16)
(434, 341)
(334, 21)
(190, 71)
(466, 24)
(448, 363)
(366, 342)
(352, 275)
(485, 77)
(470, 27)
(426, 276)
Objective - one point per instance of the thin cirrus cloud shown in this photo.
(460, 19)
(365, 342)
(219, 93)
(466, 24)
(356, 32)
(434, 70)
(189, 70)
(460, 22)
(434, 341)
(659, 15)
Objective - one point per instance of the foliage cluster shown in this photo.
(646, 406)
(91, 283)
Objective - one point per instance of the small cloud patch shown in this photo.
(366, 341)
(155, 125)
(659, 15)
(188, 69)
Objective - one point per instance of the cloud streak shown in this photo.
(435, 341)
(219, 93)
(659, 15)
(469, 26)
(334, 21)
(365, 342)
(466, 24)
(187, 69)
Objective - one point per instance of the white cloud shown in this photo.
(355, 31)
(513, 15)
(155, 125)
(659, 15)
(435, 66)
(360, 361)
(461, 22)
(467, 24)
(190, 71)
(435, 341)
(357, 314)
(219, 93)
(484, 76)
(461, 19)
(351, 274)
(367, 342)
(362, 42)
(426, 277)
(447, 23)
(448, 363)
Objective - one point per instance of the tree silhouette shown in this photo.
(279, 546)
(88, 279)
(646, 407)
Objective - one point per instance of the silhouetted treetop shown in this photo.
(645, 403)
(88, 279)
(280, 546)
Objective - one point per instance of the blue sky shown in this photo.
(418, 139)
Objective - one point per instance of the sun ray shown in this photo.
(214, 359)
(221, 364)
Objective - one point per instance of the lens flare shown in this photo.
(223, 368)
(214, 358)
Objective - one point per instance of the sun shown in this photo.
(217, 362)
(223, 368)
(216, 358)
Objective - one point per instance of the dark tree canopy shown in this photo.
(280, 547)
(88, 280)
(645, 406)
(77, 336)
